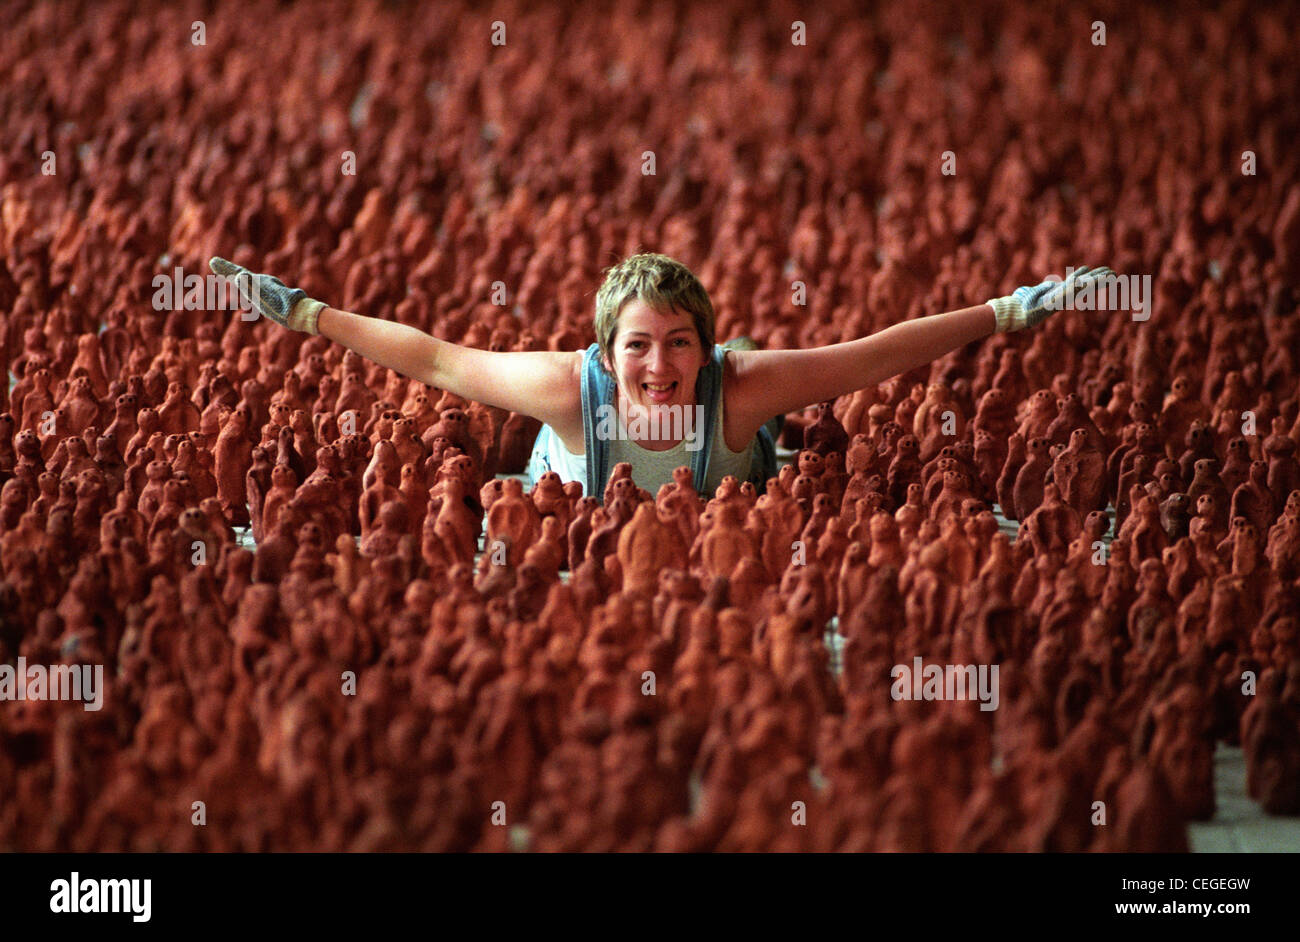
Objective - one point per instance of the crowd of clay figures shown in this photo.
(414, 651)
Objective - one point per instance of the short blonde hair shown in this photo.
(661, 282)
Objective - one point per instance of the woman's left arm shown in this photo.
(774, 382)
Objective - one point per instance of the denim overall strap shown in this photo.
(597, 389)
(708, 387)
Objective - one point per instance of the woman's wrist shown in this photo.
(327, 322)
(305, 316)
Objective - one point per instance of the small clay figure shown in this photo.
(1253, 500)
(1040, 413)
(1270, 734)
(1175, 516)
(645, 547)
(1053, 525)
(1080, 473)
(1028, 491)
(1005, 486)
(904, 469)
(514, 519)
(826, 434)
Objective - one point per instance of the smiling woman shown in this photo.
(655, 355)
(656, 367)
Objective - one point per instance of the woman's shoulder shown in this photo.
(568, 427)
(741, 415)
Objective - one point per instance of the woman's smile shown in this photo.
(659, 393)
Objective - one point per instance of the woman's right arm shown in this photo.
(543, 384)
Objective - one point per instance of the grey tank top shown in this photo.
(756, 463)
(651, 469)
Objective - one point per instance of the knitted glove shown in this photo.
(1030, 305)
(271, 297)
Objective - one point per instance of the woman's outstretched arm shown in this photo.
(541, 384)
(774, 382)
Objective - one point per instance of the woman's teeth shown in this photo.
(659, 393)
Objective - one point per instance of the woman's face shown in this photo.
(657, 356)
